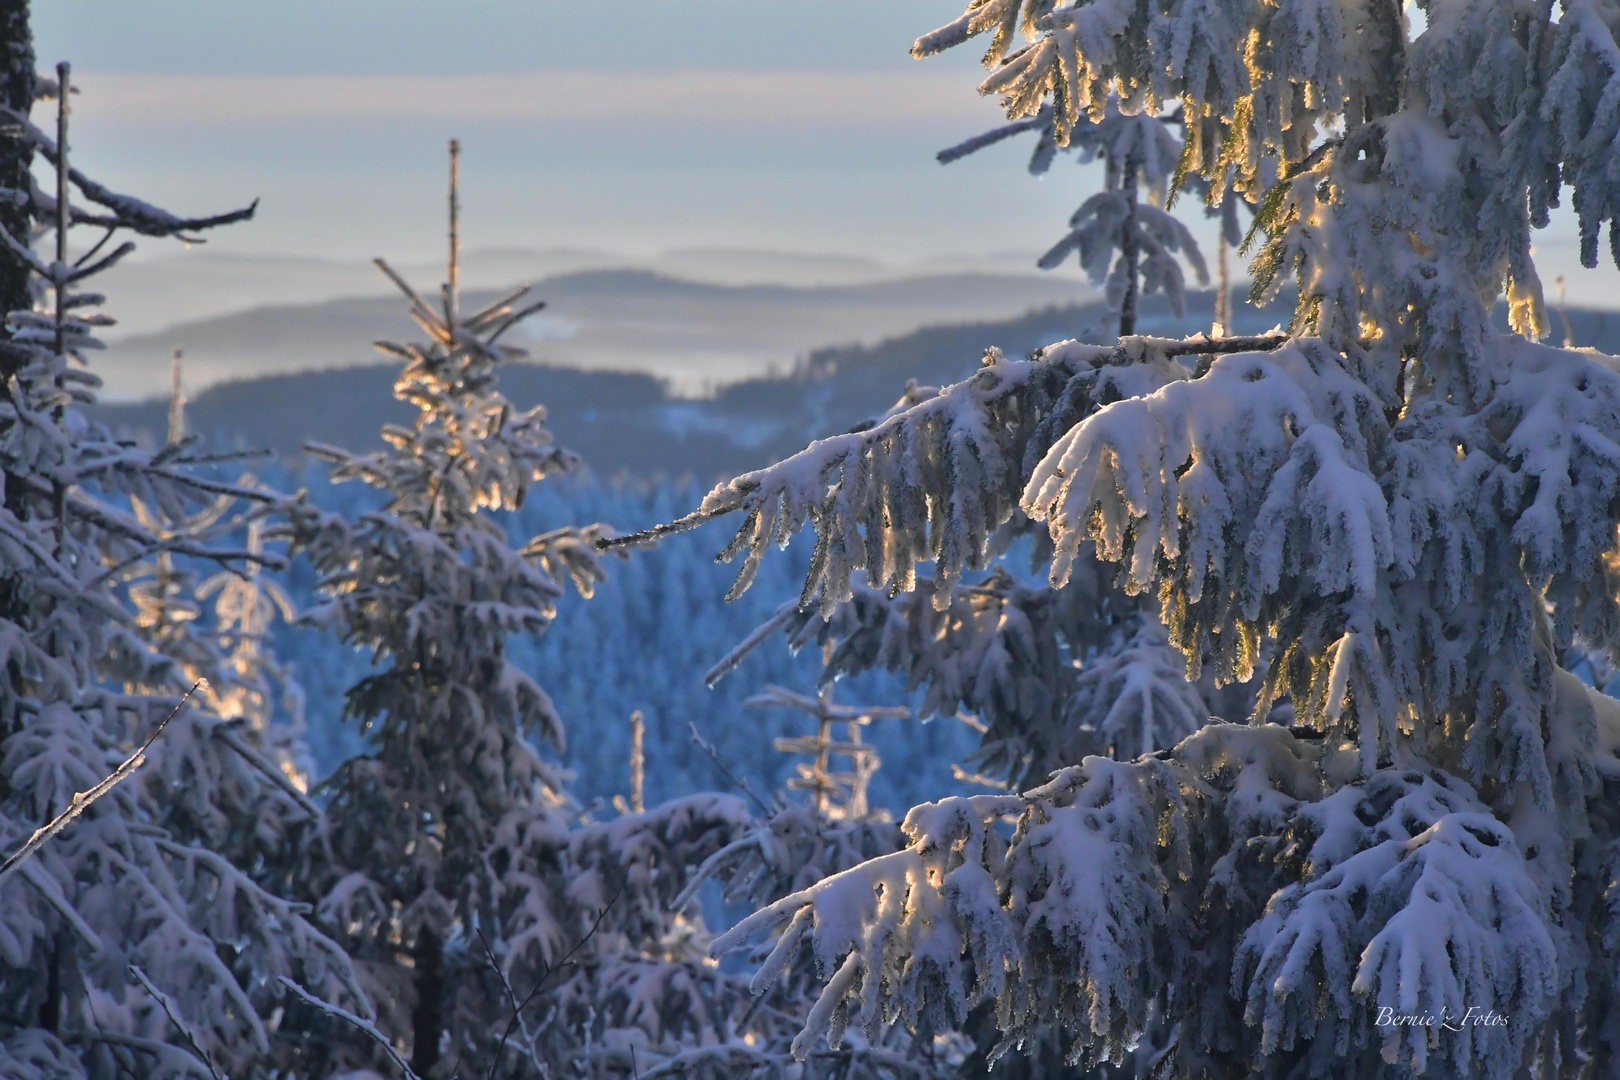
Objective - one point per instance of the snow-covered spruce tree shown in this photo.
(247, 686)
(1401, 520)
(225, 775)
(198, 761)
(634, 989)
(1124, 244)
(161, 593)
(636, 994)
(629, 990)
(131, 944)
(452, 821)
(651, 1002)
(1046, 674)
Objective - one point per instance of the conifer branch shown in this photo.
(127, 212)
(729, 662)
(658, 532)
(1199, 344)
(226, 734)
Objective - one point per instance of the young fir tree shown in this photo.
(1401, 521)
(637, 996)
(652, 982)
(1124, 244)
(451, 821)
(635, 993)
(141, 940)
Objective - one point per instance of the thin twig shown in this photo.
(714, 756)
(87, 256)
(83, 799)
(106, 262)
(418, 305)
(365, 1027)
(511, 997)
(172, 1011)
(549, 971)
(512, 321)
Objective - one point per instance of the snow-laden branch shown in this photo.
(85, 799)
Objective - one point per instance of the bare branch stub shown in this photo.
(453, 287)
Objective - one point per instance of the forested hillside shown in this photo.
(631, 424)
(699, 334)
(642, 642)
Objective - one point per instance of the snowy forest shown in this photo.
(1218, 689)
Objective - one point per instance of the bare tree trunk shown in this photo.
(638, 763)
(16, 159)
(427, 1019)
(50, 1010)
(1130, 252)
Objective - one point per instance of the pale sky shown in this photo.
(628, 127)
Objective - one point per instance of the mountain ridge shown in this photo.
(696, 334)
